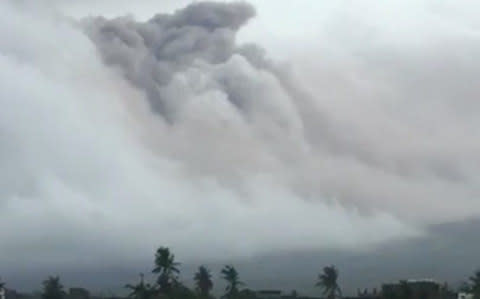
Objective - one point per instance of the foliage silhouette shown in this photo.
(475, 285)
(230, 275)
(328, 282)
(52, 288)
(167, 270)
(141, 290)
(180, 291)
(405, 289)
(203, 281)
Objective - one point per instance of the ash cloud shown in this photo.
(247, 115)
(139, 133)
(131, 135)
(151, 53)
(226, 99)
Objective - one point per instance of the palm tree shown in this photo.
(328, 282)
(230, 274)
(52, 288)
(203, 281)
(141, 290)
(166, 268)
(475, 285)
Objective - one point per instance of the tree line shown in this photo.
(168, 285)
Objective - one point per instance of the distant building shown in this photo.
(78, 293)
(413, 289)
(2, 292)
(11, 294)
(464, 295)
(365, 294)
(269, 294)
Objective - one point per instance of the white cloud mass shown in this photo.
(120, 135)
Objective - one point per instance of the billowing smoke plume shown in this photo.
(163, 132)
(150, 54)
(232, 114)
(127, 135)
(228, 113)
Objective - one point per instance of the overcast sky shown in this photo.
(230, 131)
